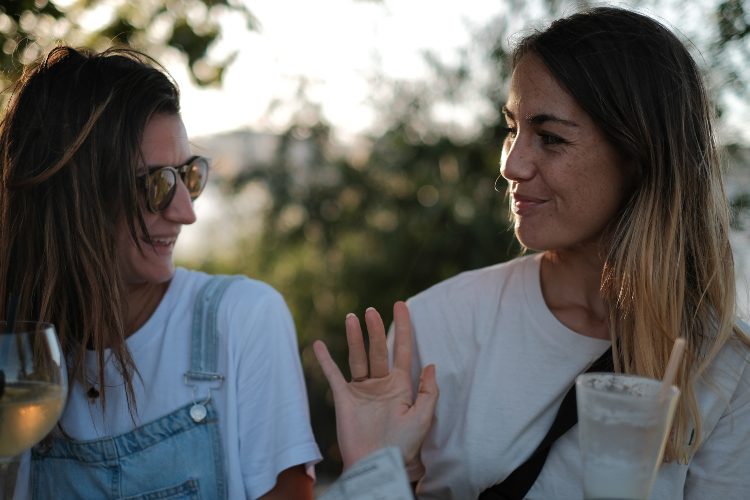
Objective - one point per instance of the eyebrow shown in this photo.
(542, 118)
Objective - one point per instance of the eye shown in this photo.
(551, 139)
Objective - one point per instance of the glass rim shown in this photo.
(582, 379)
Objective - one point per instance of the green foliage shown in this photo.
(29, 28)
(347, 231)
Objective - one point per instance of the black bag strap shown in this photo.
(519, 482)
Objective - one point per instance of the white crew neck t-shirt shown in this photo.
(504, 362)
(262, 404)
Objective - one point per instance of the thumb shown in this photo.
(424, 405)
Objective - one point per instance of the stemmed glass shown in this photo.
(33, 389)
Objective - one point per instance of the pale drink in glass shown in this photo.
(623, 425)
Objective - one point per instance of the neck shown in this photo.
(141, 302)
(571, 283)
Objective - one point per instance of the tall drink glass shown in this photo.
(623, 425)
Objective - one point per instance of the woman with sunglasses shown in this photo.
(180, 383)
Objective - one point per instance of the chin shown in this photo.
(531, 240)
(165, 275)
(157, 275)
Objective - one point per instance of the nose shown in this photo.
(180, 209)
(517, 159)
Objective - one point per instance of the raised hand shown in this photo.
(377, 408)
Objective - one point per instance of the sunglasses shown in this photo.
(160, 183)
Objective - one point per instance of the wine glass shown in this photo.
(33, 389)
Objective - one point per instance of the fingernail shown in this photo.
(370, 309)
(351, 315)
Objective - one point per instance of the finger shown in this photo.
(427, 397)
(402, 343)
(378, 347)
(357, 354)
(328, 365)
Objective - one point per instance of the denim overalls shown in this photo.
(178, 456)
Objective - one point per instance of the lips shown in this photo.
(522, 204)
(162, 243)
(161, 239)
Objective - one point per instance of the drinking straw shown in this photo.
(674, 362)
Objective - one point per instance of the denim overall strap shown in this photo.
(203, 355)
(204, 335)
(176, 456)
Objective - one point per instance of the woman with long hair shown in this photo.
(615, 185)
(614, 181)
(181, 383)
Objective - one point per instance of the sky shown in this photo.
(336, 45)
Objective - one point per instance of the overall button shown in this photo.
(198, 412)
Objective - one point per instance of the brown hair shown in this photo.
(669, 271)
(70, 144)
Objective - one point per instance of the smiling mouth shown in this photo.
(161, 242)
(521, 204)
(164, 242)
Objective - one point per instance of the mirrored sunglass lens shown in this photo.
(196, 177)
(162, 187)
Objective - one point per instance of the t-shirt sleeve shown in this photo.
(274, 420)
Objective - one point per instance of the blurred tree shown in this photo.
(29, 28)
(730, 48)
(380, 221)
(402, 209)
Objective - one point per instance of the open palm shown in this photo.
(377, 408)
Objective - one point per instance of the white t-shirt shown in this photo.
(504, 363)
(262, 404)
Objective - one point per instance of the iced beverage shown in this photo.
(623, 425)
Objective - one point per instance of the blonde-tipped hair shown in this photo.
(668, 269)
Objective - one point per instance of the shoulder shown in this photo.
(738, 358)
(726, 382)
(247, 291)
(719, 466)
(240, 289)
(732, 362)
(743, 327)
(245, 304)
(454, 318)
(734, 357)
(478, 285)
(479, 279)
